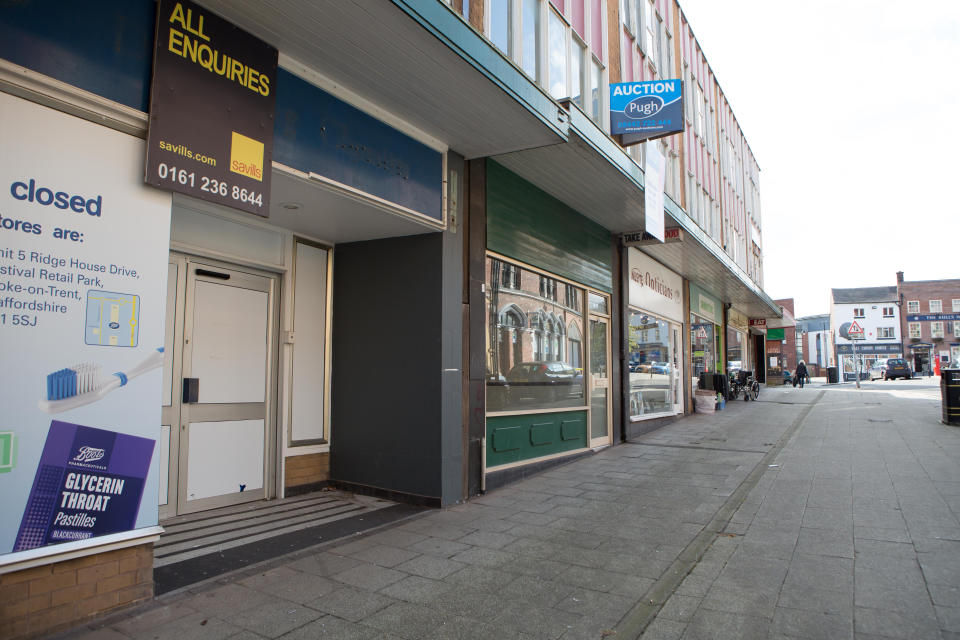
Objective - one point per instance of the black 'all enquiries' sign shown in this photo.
(211, 109)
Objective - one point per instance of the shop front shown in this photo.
(706, 334)
(654, 339)
(547, 330)
(867, 353)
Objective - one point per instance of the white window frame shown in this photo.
(913, 306)
(935, 308)
(888, 312)
(955, 305)
(886, 333)
(936, 329)
(914, 329)
(858, 312)
(956, 328)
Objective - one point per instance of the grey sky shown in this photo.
(852, 110)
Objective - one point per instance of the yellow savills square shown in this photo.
(246, 156)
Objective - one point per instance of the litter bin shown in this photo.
(950, 395)
(833, 375)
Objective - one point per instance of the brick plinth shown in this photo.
(306, 470)
(56, 596)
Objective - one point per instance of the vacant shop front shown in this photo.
(548, 277)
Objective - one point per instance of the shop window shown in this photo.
(534, 344)
(858, 312)
(702, 346)
(888, 312)
(650, 364)
(914, 329)
(735, 350)
(913, 306)
(936, 306)
(936, 329)
(885, 333)
(598, 303)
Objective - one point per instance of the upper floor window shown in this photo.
(913, 306)
(914, 329)
(955, 304)
(548, 288)
(885, 332)
(698, 104)
(888, 312)
(936, 329)
(858, 312)
(956, 328)
(936, 306)
(509, 275)
(557, 55)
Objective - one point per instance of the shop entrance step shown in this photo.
(202, 545)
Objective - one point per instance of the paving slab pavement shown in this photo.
(823, 512)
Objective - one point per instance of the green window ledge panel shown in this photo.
(529, 225)
(517, 438)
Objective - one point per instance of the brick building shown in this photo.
(929, 321)
(781, 343)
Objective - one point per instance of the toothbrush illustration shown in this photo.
(84, 383)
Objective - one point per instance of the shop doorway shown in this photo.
(759, 357)
(217, 444)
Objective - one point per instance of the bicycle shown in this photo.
(743, 383)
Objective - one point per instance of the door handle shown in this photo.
(191, 390)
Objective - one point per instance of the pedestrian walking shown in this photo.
(801, 374)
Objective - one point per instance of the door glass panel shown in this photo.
(225, 457)
(600, 379)
(229, 343)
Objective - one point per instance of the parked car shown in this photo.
(660, 367)
(897, 368)
(545, 381)
(878, 369)
(787, 377)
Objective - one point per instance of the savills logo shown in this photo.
(89, 454)
(643, 107)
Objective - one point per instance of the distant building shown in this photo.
(814, 345)
(875, 310)
(781, 343)
(930, 322)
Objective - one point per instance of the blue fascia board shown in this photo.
(604, 145)
(694, 232)
(437, 18)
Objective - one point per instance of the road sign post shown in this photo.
(855, 332)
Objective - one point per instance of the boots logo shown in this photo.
(643, 107)
(89, 454)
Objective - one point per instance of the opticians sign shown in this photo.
(211, 109)
(646, 110)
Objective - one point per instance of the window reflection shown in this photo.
(534, 340)
(649, 364)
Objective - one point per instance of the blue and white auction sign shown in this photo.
(646, 110)
(83, 268)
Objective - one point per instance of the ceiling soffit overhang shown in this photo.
(590, 173)
(418, 61)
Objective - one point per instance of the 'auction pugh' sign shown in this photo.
(646, 110)
(211, 109)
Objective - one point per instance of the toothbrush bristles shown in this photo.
(72, 381)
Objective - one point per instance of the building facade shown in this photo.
(930, 321)
(437, 296)
(876, 311)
